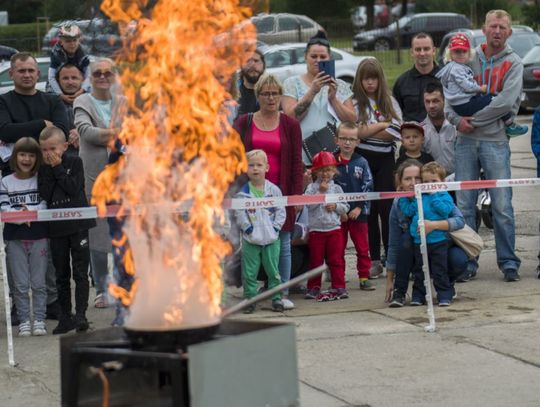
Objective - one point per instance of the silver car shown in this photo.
(286, 60)
(284, 27)
(6, 84)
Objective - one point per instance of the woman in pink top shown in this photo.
(281, 139)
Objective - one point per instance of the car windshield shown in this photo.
(533, 56)
(402, 21)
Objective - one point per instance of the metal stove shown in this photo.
(245, 364)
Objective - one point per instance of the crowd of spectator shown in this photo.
(55, 144)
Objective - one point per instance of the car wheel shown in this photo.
(381, 44)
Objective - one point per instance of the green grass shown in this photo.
(393, 64)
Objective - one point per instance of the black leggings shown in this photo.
(382, 170)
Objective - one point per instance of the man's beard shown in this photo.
(252, 80)
(436, 115)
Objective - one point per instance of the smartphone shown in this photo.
(328, 67)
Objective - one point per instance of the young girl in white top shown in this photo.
(27, 248)
(378, 129)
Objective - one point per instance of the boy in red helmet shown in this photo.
(68, 50)
(461, 90)
(325, 236)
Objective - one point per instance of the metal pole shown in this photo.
(9, 330)
(268, 293)
(425, 264)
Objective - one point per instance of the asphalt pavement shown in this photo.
(358, 352)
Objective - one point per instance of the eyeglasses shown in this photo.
(105, 74)
(270, 94)
(348, 140)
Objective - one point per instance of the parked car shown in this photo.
(284, 27)
(6, 84)
(6, 52)
(435, 24)
(523, 38)
(380, 17)
(530, 96)
(99, 36)
(286, 60)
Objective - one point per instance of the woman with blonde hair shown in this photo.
(280, 137)
(96, 115)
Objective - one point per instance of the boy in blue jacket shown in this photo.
(437, 206)
(355, 176)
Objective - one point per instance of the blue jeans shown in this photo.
(494, 158)
(438, 268)
(285, 258)
(475, 104)
(457, 264)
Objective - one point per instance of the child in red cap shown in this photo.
(325, 236)
(461, 90)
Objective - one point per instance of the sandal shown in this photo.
(100, 301)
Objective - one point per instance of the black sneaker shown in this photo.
(81, 323)
(53, 311)
(64, 325)
(417, 301)
(464, 277)
(277, 306)
(249, 309)
(511, 275)
(398, 300)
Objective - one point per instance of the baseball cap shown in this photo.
(459, 41)
(412, 125)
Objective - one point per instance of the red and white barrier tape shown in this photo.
(292, 200)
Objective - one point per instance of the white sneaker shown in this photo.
(40, 328)
(287, 304)
(25, 329)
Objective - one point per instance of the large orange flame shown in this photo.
(180, 147)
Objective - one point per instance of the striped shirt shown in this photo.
(375, 116)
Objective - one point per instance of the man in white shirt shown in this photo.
(440, 135)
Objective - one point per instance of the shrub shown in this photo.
(24, 37)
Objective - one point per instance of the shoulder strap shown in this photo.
(249, 119)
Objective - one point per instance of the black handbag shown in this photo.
(320, 140)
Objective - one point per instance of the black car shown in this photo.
(435, 24)
(530, 96)
(6, 53)
(523, 38)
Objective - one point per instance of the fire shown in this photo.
(180, 147)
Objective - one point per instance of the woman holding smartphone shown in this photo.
(315, 99)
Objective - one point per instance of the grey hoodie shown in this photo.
(261, 226)
(505, 80)
(320, 220)
(458, 82)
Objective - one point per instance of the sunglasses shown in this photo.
(105, 74)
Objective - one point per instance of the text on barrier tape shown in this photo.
(245, 203)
